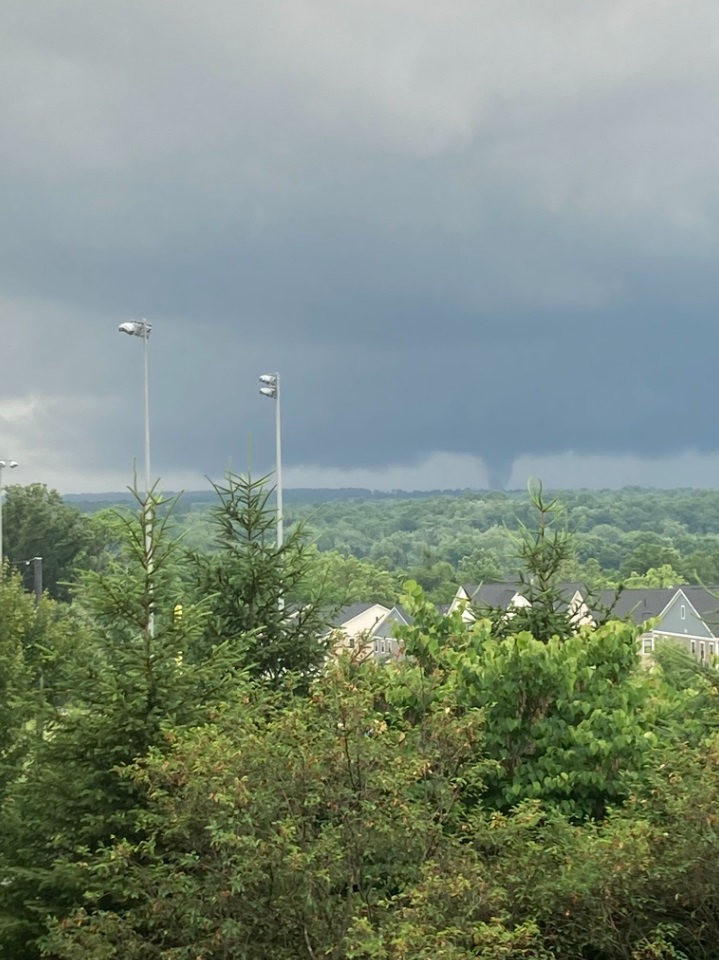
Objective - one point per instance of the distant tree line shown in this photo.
(365, 549)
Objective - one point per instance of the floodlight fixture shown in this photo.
(136, 328)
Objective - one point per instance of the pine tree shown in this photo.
(132, 684)
(261, 599)
(542, 553)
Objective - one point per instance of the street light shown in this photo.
(141, 328)
(271, 388)
(10, 464)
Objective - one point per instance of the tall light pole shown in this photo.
(271, 388)
(141, 328)
(10, 464)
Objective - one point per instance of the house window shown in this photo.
(711, 649)
(694, 647)
(351, 643)
(702, 651)
(389, 646)
(648, 645)
(684, 612)
(381, 646)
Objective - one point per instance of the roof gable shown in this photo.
(638, 604)
(345, 615)
(385, 628)
(680, 617)
(706, 603)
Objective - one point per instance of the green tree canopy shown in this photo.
(345, 825)
(38, 523)
(128, 684)
(346, 579)
(664, 576)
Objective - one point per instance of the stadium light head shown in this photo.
(136, 328)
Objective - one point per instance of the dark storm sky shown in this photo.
(469, 232)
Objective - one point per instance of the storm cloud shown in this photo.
(486, 230)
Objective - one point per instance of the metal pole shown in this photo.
(148, 507)
(278, 439)
(147, 411)
(278, 456)
(141, 328)
(37, 577)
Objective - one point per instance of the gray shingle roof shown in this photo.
(500, 594)
(638, 604)
(470, 588)
(352, 610)
(495, 594)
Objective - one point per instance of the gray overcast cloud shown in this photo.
(469, 235)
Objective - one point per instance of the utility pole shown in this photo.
(37, 576)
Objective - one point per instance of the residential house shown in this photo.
(367, 630)
(503, 595)
(352, 625)
(690, 618)
(385, 644)
(507, 595)
(688, 615)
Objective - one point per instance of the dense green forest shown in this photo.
(364, 549)
(186, 775)
(371, 544)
